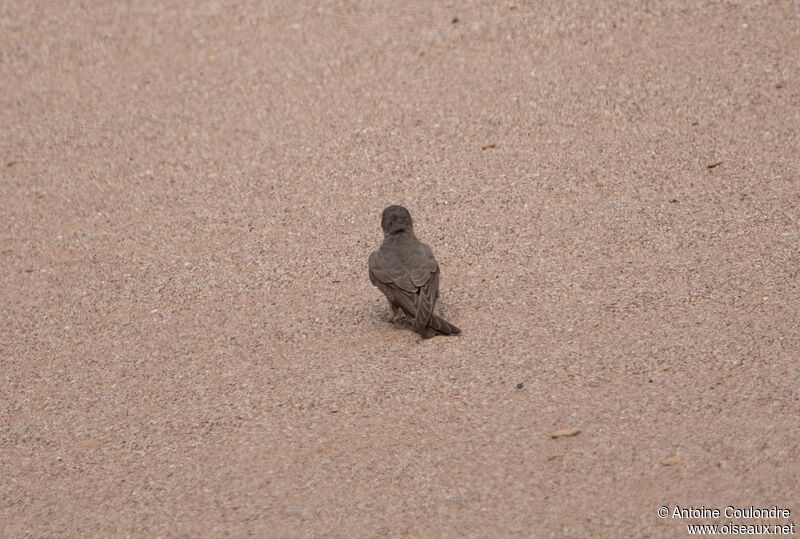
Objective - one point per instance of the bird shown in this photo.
(405, 270)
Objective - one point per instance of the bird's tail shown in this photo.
(442, 326)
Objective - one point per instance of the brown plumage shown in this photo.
(405, 270)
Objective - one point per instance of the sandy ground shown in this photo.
(189, 342)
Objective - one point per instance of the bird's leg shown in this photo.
(396, 311)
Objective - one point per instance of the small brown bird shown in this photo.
(405, 270)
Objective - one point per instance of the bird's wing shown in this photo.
(396, 296)
(384, 277)
(423, 265)
(407, 268)
(426, 301)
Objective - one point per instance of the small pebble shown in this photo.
(671, 461)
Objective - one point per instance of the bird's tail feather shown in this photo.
(442, 326)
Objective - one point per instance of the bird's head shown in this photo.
(396, 219)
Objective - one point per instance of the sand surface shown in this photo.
(189, 191)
